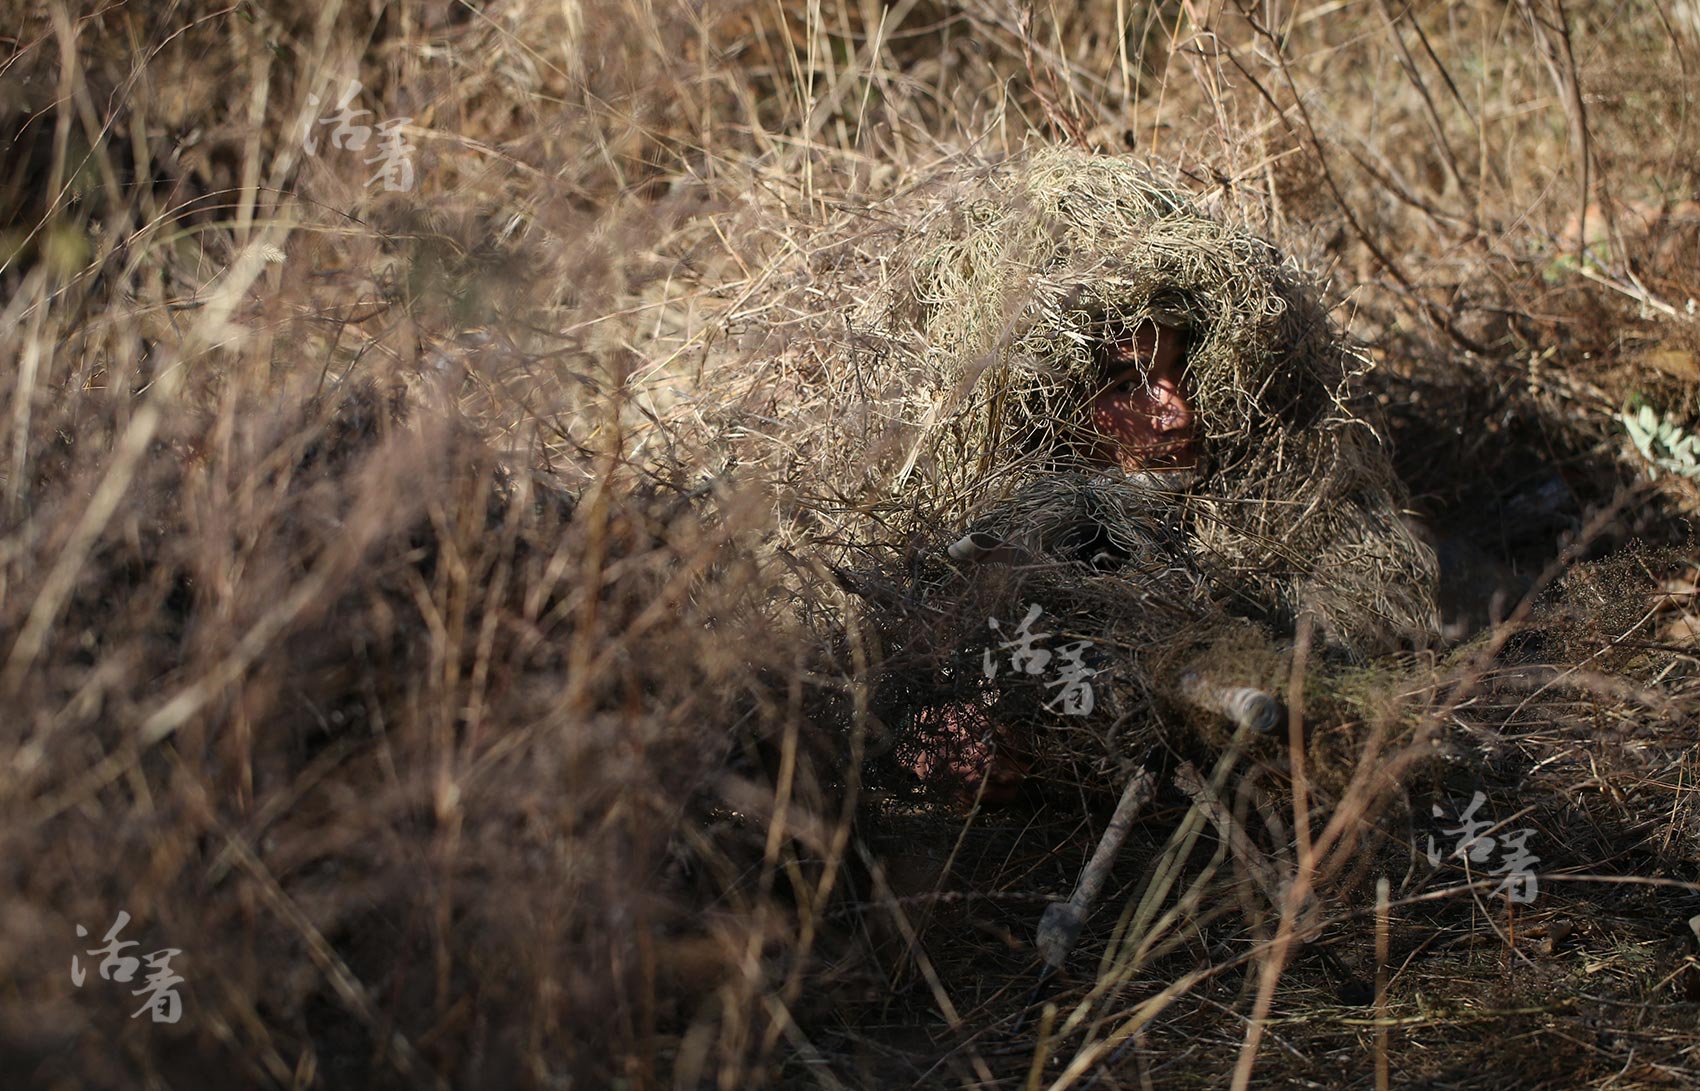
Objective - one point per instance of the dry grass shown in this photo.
(395, 620)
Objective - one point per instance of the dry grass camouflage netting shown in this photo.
(951, 350)
(924, 370)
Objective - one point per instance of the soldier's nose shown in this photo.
(1161, 403)
(1170, 409)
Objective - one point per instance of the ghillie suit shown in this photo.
(953, 399)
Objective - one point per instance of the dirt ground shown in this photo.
(412, 679)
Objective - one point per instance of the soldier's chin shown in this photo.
(1163, 479)
(1168, 471)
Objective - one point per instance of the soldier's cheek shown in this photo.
(1122, 424)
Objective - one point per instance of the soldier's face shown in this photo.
(1143, 415)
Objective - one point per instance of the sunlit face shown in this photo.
(1143, 415)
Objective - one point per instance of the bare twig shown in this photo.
(1060, 925)
(1382, 914)
(1556, 50)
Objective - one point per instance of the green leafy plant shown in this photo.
(1662, 441)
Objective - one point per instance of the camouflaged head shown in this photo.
(992, 303)
(914, 368)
